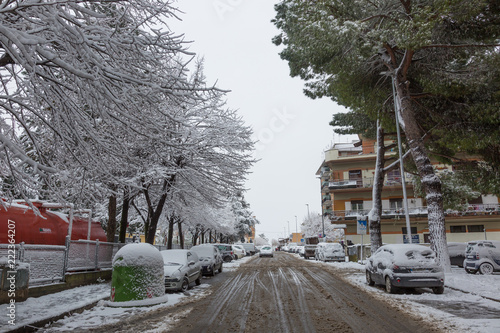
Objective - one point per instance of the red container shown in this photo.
(19, 222)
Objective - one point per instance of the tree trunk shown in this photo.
(430, 181)
(181, 235)
(378, 184)
(195, 237)
(124, 219)
(171, 222)
(156, 213)
(155, 217)
(110, 233)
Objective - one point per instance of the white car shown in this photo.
(181, 267)
(266, 251)
(405, 266)
(482, 256)
(329, 252)
(238, 251)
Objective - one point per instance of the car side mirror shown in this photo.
(191, 263)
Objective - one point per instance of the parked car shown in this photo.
(301, 250)
(405, 266)
(249, 248)
(329, 252)
(210, 258)
(238, 251)
(310, 247)
(181, 267)
(457, 253)
(266, 251)
(482, 256)
(226, 250)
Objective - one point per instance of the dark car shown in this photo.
(210, 258)
(457, 253)
(405, 266)
(226, 250)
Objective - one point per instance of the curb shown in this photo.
(35, 326)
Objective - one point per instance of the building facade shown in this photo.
(346, 177)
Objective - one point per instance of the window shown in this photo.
(475, 228)
(356, 175)
(458, 228)
(394, 177)
(396, 204)
(413, 230)
(357, 204)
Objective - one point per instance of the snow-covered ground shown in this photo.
(468, 309)
(36, 309)
(471, 303)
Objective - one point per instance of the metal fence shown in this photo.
(50, 263)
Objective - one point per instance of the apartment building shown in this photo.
(346, 177)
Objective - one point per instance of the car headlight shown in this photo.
(175, 277)
(172, 280)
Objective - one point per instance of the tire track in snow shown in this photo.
(282, 316)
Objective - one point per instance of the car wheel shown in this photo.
(213, 271)
(486, 268)
(438, 290)
(228, 259)
(220, 269)
(198, 280)
(185, 284)
(369, 279)
(389, 287)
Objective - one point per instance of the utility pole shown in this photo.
(308, 211)
(296, 230)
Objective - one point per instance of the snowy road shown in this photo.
(282, 294)
(289, 294)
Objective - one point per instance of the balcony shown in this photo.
(468, 210)
(475, 209)
(339, 184)
(364, 182)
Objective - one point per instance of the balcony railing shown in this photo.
(364, 182)
(466, 210)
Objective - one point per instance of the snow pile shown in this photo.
(138, 255)
(137, 273)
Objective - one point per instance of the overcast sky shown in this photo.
(234, 37)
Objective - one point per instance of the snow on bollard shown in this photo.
(137, 274)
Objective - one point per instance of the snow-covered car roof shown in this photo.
(408, 253)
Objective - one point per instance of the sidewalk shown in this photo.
(37, 311)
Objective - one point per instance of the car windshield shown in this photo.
(471, 247)
(333, 247)
(266, 248)
(203, 251)
(173, 258)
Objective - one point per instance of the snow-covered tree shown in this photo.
(312, 226)
(355, 52)
(244, 218)
(76, 75)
